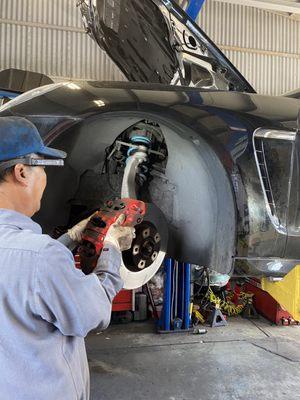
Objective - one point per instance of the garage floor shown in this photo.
(245, 360)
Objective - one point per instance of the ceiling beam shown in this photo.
(290, 7)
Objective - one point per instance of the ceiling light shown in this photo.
(99, 103)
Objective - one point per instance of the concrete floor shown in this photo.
(246, 360)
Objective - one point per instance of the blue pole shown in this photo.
(194, 8)
(180, 312)
(167, 294)
(187, 294)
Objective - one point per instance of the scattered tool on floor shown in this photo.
(199, 331)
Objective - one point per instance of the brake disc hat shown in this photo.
(19, 137)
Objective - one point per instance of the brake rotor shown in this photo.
(148, 249)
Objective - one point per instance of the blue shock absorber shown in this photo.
(138, 140)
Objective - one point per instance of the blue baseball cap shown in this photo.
(19, 137)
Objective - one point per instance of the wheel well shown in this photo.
(192, 189)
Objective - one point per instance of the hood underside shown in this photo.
(155, 41)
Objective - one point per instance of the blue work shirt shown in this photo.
(47, 308)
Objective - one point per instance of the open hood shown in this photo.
(155, 41)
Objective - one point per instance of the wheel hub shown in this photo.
(145, 247)
(148, 249)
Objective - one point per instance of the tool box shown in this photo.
(124, 301)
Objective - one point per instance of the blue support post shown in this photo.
(180, 291)
(194, 8)
(167, 295)
(187, 295)
(178, 318)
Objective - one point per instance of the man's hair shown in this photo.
(5, 172)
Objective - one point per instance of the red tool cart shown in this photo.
(124, 301)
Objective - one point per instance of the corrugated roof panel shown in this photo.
(263, 45)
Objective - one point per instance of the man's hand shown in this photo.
(76, 232)
(120, 236)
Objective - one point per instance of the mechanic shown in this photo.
(47, 305)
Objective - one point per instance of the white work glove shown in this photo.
(76, 232)
(120, 236)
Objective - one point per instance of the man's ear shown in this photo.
(21, 174)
